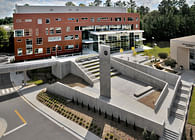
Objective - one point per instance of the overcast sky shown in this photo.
(7, 6)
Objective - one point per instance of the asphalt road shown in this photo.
(38, 126)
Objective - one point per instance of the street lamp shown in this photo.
(56, 50)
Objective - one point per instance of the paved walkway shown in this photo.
(3, 126)
(29, 94)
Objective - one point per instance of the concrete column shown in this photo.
(25, 78)
(105, 82)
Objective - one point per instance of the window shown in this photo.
(58, 19)
(58, 30)
(54, 38)
(18, 20)
(29, 46)
(51, 31)
(47, 20)
(130, 19)
(102, 19)
(28, 20)
(136, 36)
(19, 33)
(19, 51)
(71, 19)
(102, 37)
(77, 46)
(68, 29)
(59, 48)
(76, 36)
(76, 28)
(46, 31)
(92, 19)
(38, 50)
(84, 18)
(53, 49)
(137, 18)
(19, 40)
(69, 47)
(39, 41)
(28, 32)
(77, 20)
(118, 19)
(69, 37)
(124, 18)
(39, 21)
(136, 26)
(48, 51)
(37, 31)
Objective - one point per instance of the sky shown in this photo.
(7, 6)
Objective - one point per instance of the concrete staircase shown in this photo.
(92, 69)
(170, 135)
(180, 104)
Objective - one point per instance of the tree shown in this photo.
(3, 38)
(82, 5)
(97, 2)
(153, 136)
(145, 134)
(131, 6)
(143, 10)
(108, 3)
(69, 3)
(118, 4)
(191, 132)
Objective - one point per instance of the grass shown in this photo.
(36, 82)
(191, 116)
(156, 50)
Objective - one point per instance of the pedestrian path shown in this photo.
(7, 91)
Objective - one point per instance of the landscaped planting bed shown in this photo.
(98, 122)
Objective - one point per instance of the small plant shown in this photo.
(73, 100)
(100, 112)
(145, 134)
(134, 126)
(94, 109)
(118, 119)
(191, 133)
(112, 117)
(77, 102)
(82, 105)
(126, 123)
(105, 115)
(170, 62)
(88, 107)
(153, 136)
(163, 55)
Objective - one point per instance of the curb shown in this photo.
(3, 126)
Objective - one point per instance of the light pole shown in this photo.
(56, 50)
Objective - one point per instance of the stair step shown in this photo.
(170, 135)
(178, 116)
(94, 67)
(180, 107)
(88, 62)
(91, 65)
(182, 98)
(180, 102)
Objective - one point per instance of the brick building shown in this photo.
(44, 31)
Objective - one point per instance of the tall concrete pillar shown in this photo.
(25, 78)
(105, 82)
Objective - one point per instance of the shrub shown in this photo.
(170, 62)
(163, 55)
(153, 136)
(145, 134)
(191, 133)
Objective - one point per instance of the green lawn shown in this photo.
(191, 116)
(156, 50)
(36, 82)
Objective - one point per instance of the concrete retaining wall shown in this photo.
(161, 98)
(61, 69)
(138, 75)
(76, 70)
(93, 100)
(165, 76)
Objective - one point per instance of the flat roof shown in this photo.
(186, 39)
(115, 32)
(67, 9)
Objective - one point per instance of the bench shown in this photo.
(143, 91)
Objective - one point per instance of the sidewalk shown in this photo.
(3, 126)
(30, 94)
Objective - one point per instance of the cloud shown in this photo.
(7, 6)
